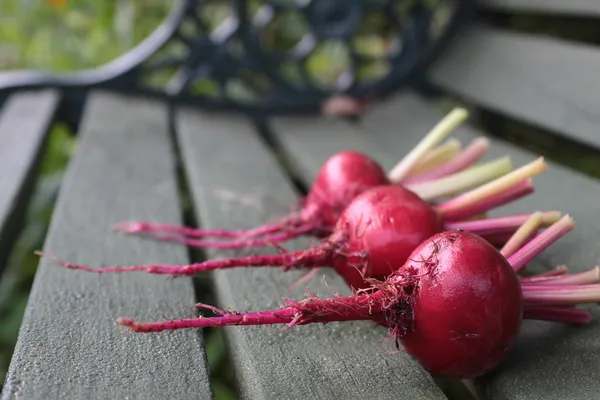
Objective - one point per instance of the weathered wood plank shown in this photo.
(552, 361)
(543, 81)
(309, 142)
(25, 120)
(68, 345)
(337, 361)
(583, 8)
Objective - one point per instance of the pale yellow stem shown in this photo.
(436, 157)
(443, 128)
(520, 237)
(463, 180)
(550, 217)
(494, 187)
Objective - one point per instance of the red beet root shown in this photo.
(463, 273)
(449, 271)
(375, 234)
(378, 231)
(342, 177)
(456, 271)
(456, 305)
(335, 188)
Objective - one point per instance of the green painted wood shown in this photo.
(547, 82)
(235, 182)
(25, 121)
(582, 8)
(309, 142)
(551, 361)
(69, 346)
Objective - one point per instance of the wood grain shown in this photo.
(223, 155)
(547, 82)
(69, 346)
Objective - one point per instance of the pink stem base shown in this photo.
(450, 213)
(582, 278)
(540, 242)
(560, 270)
(561, 294)
(489, 226)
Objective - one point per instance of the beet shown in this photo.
(467, 307)
(378, 231)
(456, 305)
(341, 178)
(374, 235)
(344, 176)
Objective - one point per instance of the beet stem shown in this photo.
(442, 129)
(510, 223)
(464, 180)
(541, 242)
(308, 311)
(460, 162)
(522, 189)
(582, 278)
(493, 188)
(435, 158)
(560, 270)
(557, 314)
(561, 295)
(317, 256)
(524, 233)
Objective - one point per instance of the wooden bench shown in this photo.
(239, 173)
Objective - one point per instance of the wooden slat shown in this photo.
(552, 361)
(583, 8)
(337, 361)
(309, 142)
(543, 81)
(69, 346)
(24, 122)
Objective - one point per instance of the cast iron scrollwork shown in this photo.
(274, 56)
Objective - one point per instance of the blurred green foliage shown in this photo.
(78, 34)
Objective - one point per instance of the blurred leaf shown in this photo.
(12, 321)
(223, 392)
(205, 86)
(328, 62)
(83, 34)
(215, 349)
(61, 146)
